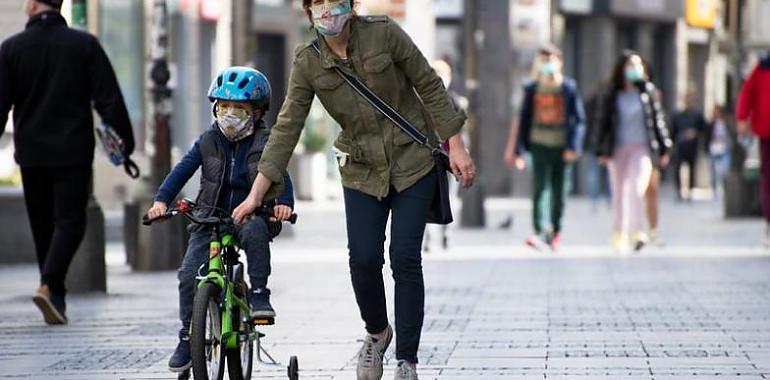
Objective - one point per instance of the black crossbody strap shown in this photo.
(381, 105)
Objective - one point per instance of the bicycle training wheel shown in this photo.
(293, 368)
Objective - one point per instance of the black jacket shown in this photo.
(654, 121)
(50, 75)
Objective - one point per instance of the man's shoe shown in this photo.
(259, 299)
(180, 360)
(406, 371)
(53, 306)
(370, 356)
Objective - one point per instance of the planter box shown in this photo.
(15, 233)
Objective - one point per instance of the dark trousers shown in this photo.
(550, 175)
(254, 236)
(56, 200)
(367, 217)
(686, 153)
(764, 153)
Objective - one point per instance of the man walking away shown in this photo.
(50, 75)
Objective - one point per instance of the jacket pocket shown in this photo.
(409, 156)
(378, 63)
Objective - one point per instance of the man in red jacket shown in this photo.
(754, 109)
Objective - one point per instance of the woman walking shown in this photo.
(384, 172)
(632, 139)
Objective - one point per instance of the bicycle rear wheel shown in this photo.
(206, 345)
(240, 361)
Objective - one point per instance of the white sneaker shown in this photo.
(406, 371)
(370, 356)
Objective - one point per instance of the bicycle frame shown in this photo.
(221, 274)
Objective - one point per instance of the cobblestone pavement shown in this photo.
(691, 310)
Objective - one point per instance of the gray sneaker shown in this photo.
(406, 371)
(370, 356)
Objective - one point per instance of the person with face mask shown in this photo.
(385, 173)
(551, 125)
(632, 138)
(227, 154)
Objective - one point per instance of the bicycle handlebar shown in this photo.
(209, 220)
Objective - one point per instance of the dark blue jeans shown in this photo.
(367, 217)
(255, 240)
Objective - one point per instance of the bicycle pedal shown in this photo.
(268, 321)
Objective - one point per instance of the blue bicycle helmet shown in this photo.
(241, 84)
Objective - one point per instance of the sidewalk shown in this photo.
(696, 309)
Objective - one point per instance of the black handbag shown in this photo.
(440, 210)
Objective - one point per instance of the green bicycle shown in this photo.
(221, 331)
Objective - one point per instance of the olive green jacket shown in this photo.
(381, 156)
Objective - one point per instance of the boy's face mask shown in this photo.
(235, 123)
(330, 16)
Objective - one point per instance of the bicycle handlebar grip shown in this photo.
(292, 219)
(146, 220)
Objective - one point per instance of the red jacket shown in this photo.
(754, 100)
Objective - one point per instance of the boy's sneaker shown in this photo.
(181, 360)
(371, 353)
(53, 306)
(535, 242)
(406, 371)
(259, 299)
(555, 242)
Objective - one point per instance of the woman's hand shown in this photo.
(253, 200)
(157, 210)
(281, 213)
(245, 209)
(460, 161)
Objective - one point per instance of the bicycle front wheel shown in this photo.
(208, 357)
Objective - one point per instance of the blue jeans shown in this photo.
(254, 237)
(366, 219)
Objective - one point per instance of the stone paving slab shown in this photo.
(579, 319)
(698, 308)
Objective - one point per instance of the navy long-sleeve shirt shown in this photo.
(235, 187)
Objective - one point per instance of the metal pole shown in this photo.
(162, 247)
(88, 271)
(472, 213)
(161, 95)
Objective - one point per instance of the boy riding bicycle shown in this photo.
(228, 154)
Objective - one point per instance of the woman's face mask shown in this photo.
(634, 71)
(235, 122)
(330, 16)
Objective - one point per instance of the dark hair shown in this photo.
(618, 79)
(306, 4)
